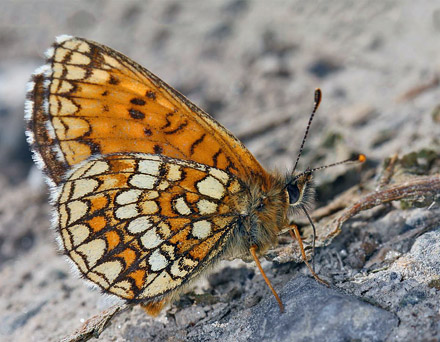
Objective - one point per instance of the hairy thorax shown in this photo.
(263, 214)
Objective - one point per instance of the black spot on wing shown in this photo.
(151, 95)
(137, 101)
(148, 132)
(136, 114)
(158, 149)
(114, 80)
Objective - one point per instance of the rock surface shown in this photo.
(253, 65)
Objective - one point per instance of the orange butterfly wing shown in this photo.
(90, 99)
(142, 225)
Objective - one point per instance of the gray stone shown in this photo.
(314, 312)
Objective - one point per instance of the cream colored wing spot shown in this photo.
(182, 266)
(234, 187)
(128, 196)
(110, 182)
(99, 167)
(220, 175)
(176, 269)
(206, 207)
(58, 70)
(77, 209)
(169, 251)
(66, 107)
(127, 211)
(70, 43)
(149, 207)
(142, 181)
(63, 216)
(122, 289)
(83, 187)
(75, 72)
(65, 237)
(211, 187)
(163, 185)
(78, 172)
(201, 229)
(149, 195)
(83, 47)
(174, 173)
(181, 206)
(150, 239)
(111, 61)
(99, 76)
(73, 128)
(157, 261)
(150, 276)
(139, 225)
(60, 86)
(65, 192)
(164, 229)
(79, 261)
(150, 167)
(79, 233)
(98, 279)
(92, 251)
(60, 54)
(159, 285)
(110, 270)
(79, 58)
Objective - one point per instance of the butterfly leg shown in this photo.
(154, 308)
(294, 233)
(253, 251)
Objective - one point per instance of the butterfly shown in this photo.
(149, 191)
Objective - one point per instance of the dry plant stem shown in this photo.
(388, 172)
(95, 325)
(253, 251)
(297, 237)
(419, 89)
(420, 186)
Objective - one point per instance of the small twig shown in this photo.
(419, 89)
(388, 172)
(420, 186)
(95, 325)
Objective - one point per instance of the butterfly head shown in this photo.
(300, 190)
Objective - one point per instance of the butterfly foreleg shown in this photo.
(294, 233)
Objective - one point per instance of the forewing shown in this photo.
(142, 225)
(89, 99)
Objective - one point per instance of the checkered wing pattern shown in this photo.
(142, 225)
(91, 100)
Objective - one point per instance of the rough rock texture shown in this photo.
(253, 65)
(308, 305)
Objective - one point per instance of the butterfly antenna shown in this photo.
(318, 97)
(358, 158)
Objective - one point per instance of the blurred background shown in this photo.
(253, 65)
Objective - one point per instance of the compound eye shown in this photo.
(293, 192)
